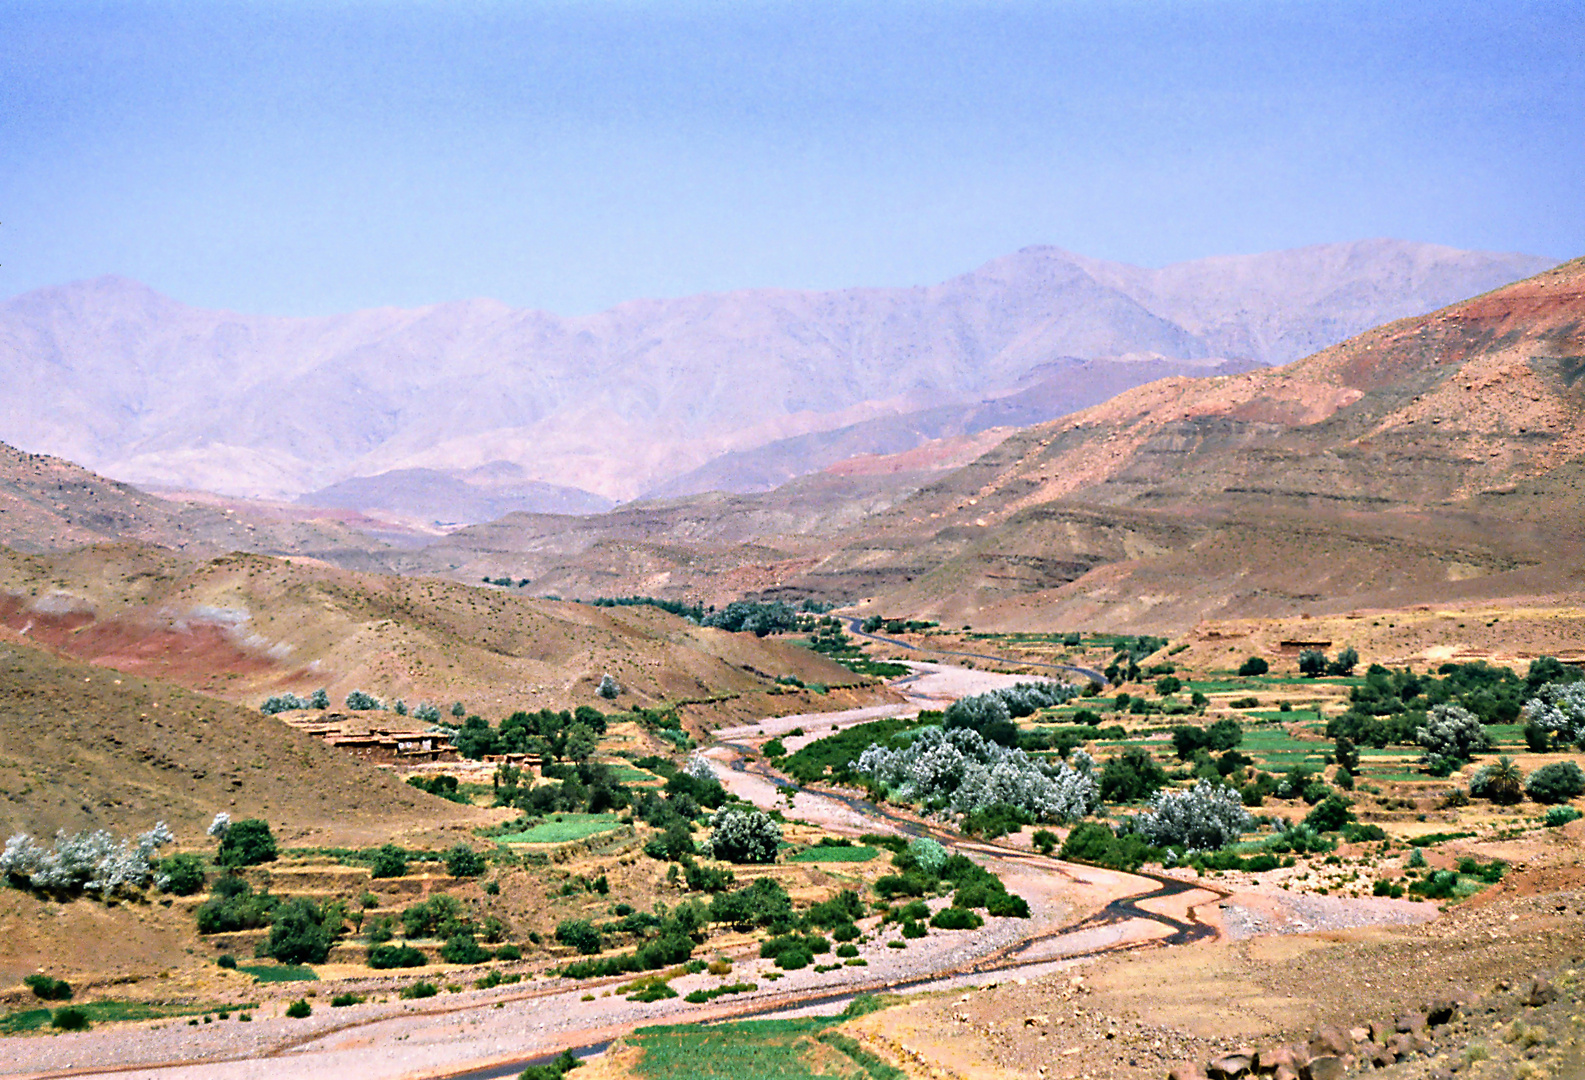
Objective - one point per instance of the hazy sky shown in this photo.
(303, 158)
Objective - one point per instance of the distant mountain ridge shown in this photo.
(134, 385)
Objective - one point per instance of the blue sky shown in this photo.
(305, 158)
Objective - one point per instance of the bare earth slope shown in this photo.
(244, 626)
(86, 747)
(1432, 453)
(135, 385)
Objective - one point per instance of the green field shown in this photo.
(104, 1012)
(835, 854)
(563, 828)
(274, 973)
(757, 1050)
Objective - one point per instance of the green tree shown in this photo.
(1253, 666)
(300, 933)
(389, 861)
(1312, 663)
(581, 742)
(246, 843)
(462, 861)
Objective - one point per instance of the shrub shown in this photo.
(382, 957)
(246, 843)
(70, 1018)
(1560, 709)
(419, 989)
(913, 929)
(461, 948)
(509, 952)
(609, 688)
(1253, 666)
(389, 861)
(957, 771)
(227, 961)
(1044, 841)
(1330, 814)
(744, 836)
(299, 1009)
(956, 918)
(92, 862)
(341, 1001)
(182, 875)
(1132, 775)
(579, 934)
(1201, 819)
(462, 861)
(299, 934)
(1556, 783)
(358, 701)
(1345, 663)
(47, 989)
(1560, 815)
(233, 905)
(1451, 734)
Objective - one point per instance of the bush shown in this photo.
(233, 905)
(462, 861)
(227, 961)
(1560, 815)
(1451, 734)
(358, 701)
(299, 1009)
(47, 989)
(744, 836)
(382, 957)
(299, 934)
(509, 952)
(71, 1018)
(913, 929)
(1330, 814)
(956, 918)
(1253, 666)
(419, 989)
(579, 934)
(341, 1001)
(1559, 708)
(1555, 783)
(461, 948)
(92, 862)
(1204, 818)
(389, 861)
(1044, 841)
(1132, 775)
(246, 843)
(181, 875)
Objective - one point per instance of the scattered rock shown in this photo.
(1037, 1020)
(1537, 992)
(1189, 1070)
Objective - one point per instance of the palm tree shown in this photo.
(1504, 782)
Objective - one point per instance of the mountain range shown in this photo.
(461, 411)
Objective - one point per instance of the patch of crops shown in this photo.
(562, 829)
(757, 1050)
(104, 1012)
(274, 973)
(835, 854)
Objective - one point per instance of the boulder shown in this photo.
(1441, 1011)
(1189, 1070)
(1277, 1057)
(1403, 1045)
(1359, 1035)
(1410, 1021)
(1329, 1040)
(1286, 1072)
(1326, 1067)
(1037, 1020)
(1232, 1065)
(1379, 1056)
(1381, 1031)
